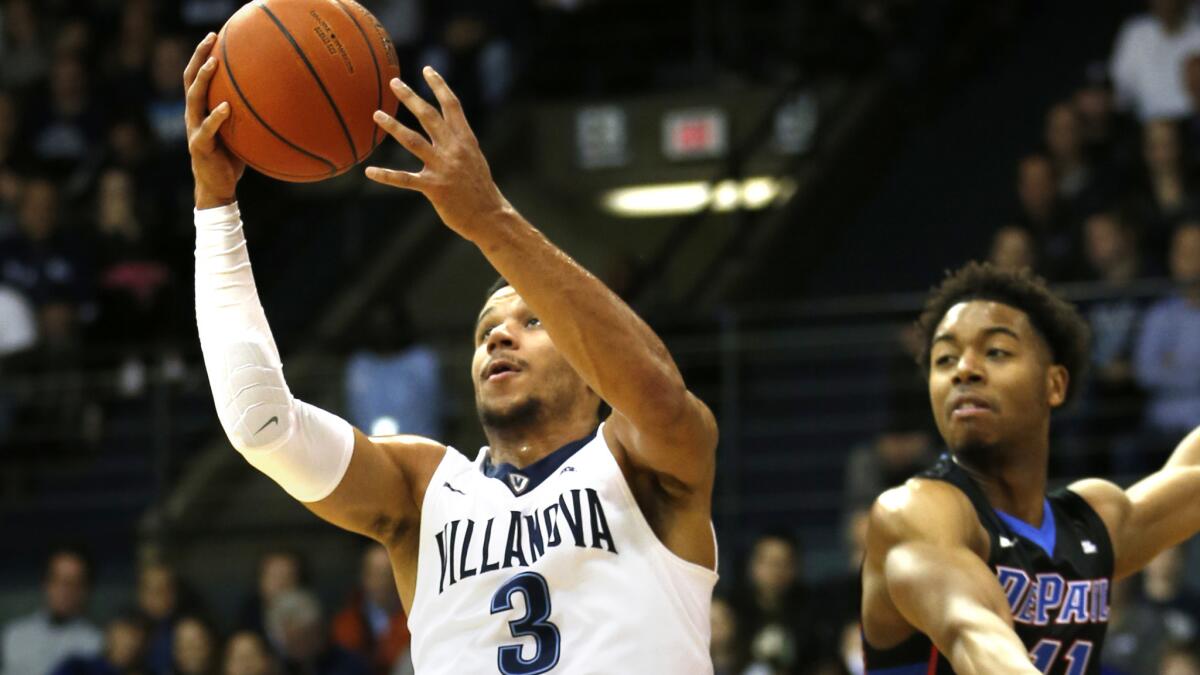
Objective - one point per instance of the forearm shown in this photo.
(986, 645)
(304, 449)
(613, 349)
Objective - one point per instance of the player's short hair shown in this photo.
(1058, 322)
(499, 283)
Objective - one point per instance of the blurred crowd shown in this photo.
(1111, 197)
(281, 628)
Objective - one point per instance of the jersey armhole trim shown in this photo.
(710, 575)
(444, 466)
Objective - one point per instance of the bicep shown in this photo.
(682, 452)
(1163, 512)
(377, 496)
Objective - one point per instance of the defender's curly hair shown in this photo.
(1059, 323)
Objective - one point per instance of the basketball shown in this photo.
(302, 78)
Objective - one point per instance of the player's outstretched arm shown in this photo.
(370, 487)
(924, 570)
(663, 427)
(1157, 513)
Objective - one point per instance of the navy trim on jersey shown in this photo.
(537, 472)
(1044, 537)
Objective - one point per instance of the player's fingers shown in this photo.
(430, 119)
(207, 130)
(197, 94)
(400, 179)
(198, 58)
(452, 109)
(409, 139)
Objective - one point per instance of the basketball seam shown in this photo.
(233, 80)
(378, 72)
(313, 71)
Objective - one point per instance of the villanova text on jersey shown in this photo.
(551, 568)
(467, 548)
(1056, 579)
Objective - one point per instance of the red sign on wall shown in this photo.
(695, 134)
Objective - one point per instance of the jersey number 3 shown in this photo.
(1077, 656)
(535, 623)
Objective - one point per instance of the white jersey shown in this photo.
(551, 568)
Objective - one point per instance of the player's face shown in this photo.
(990, 377)
(518, 373)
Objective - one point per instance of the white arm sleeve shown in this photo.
(303, 448)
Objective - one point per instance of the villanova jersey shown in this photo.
(551, 569)
(1056, 578)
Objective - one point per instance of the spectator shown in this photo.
(158, 598)
(23, 58)
(888, 460)
(246, 653)
(65, 125)
(164, 109)
(1180, 658)
(35, 644)
(1162, 193)
(729, 651)
(1111, 403)
(279, 571)
(194, 648)
(1148, 58)
(773, 611)
(40, 260)
(1064, 141)
(1165, 587)
(1148, 619)
(393, 384)
(1041, 211)
(1107, 134)
(1013, 248)
(471, 50)
(1167, 358)
(124, 649)
(134, 280)
(18, 324)
(296, 625)
(127, 67)
(373, 624)
(1191, 124)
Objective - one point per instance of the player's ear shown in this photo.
(1058, 382)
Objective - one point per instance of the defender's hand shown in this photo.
(456, 178)
(215, 169)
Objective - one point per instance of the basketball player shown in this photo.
(971, 567)
(570, 544)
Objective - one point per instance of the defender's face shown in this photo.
(990, 375)
(515, 362)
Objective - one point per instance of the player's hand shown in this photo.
(215, 169)
(456, 178)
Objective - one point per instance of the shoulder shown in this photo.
(417, 458)
(922, 510)
(1106, 498)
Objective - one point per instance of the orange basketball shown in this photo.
(303, 78)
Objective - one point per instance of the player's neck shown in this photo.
(523, 446)
(1013, 479)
